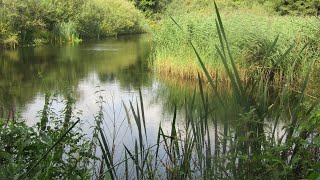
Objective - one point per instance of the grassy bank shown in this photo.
(37, 22)
(251, 30)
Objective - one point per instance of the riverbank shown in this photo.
(250, 33)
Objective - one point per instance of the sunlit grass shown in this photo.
(249, 35)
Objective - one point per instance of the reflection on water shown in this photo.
(29, 72)
(115, 68)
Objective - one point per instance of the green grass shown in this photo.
(250, 34)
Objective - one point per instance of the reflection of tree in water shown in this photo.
(8, 104)
(134, 75)
(107, 78)
(26, 72)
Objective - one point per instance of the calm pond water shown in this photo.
(117, 68)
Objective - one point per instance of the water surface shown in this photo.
(114, 68)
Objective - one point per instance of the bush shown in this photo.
(118, 17)
(65, 31)
(298, 7)
(21, 146)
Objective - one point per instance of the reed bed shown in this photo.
(271, 132)
(249, 36)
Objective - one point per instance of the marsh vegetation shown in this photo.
(212, 93)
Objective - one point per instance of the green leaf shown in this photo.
(46, 139)
(316, 141)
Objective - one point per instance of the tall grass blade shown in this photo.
(284, 55)
(158, 146)
(142, 113)
(269, 51)
(306, 80)
(301, 98)
(126, 165)
(127, 115)
(174, 141)
(209, 78)
(201, 91)
(221, 27)
(138, 122)
(164, 137)
(107, 156)
(134, 159)
(137, 161)
(230, 75)
(106, 159)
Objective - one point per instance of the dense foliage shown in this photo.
(22, 147)
(37, 22)
(298, 7)
(151, 7)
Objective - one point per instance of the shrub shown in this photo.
(298, 7)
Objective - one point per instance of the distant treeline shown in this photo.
(45, 21)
